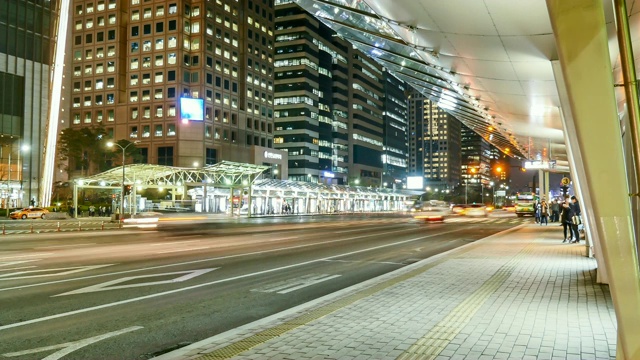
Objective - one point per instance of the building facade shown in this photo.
(311, 97)
(434, 143)
(27, 33)
(133, 62)
(395, 156)
(328, 103)
(476, 158)
(366, 123)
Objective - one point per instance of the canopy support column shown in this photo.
(75, 200)
(250, 203)
(584, 74)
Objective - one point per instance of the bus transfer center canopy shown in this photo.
(222, 174)
(232, 175)
(553, 81)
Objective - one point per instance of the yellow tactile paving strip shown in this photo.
(438, 339)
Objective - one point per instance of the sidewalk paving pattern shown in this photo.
(519, 294)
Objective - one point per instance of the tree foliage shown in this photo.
(85, 149)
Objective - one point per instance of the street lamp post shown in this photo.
(111, 144)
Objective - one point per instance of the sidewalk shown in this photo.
(519, 294)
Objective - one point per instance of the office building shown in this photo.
(27, 53)
(311, 95)
(434, 143)
(476, 158)
(395, 147)
(366, 128)
(328, 103)
(134, 62)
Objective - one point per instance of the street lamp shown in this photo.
(111, 144)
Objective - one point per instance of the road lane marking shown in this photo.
(109, 285)
(69, 270)
(63, 246)
(174, 242)
(366, 262)
(202, 260)
(18, 268)
(24, 256)
(9, 263)
(284, 238)
(215, 282)
(70, 347)
(182, 250)
(287, 286)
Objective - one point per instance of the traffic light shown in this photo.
(127, 189)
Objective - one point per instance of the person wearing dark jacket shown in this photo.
(575, 219)
(566, 213)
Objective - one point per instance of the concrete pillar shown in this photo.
(133, 206)
(75, 200)
(231, 201)
(546, 186)
(250, 202)
(591, 125)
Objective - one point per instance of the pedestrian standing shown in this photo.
(536, 211)
(576, 219)
(565, 219)
(555, 211)
(544, 213)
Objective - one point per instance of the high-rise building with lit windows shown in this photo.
(395, 157)
(328, 103)
(366, 123)
(311, 96)
(434, 143)
(133, 61)
(28, 30)
(476, 158)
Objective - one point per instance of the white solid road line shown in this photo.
(175, 291)
(195, 261)
(62, 246)
(70, 347)
(24, 256)
(30, 274)
(174, 242)
(183, 250)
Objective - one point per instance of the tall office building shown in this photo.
(329, 103)
(366, 129)
(311, 97)
(27, 46)
(133, 62)
(395, 156)
(476, 158)
(434, 143)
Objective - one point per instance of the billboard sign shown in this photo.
(415, 182)
(191, 109)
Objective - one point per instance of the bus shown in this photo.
(525, 204)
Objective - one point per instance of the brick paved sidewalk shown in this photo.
(515, 295)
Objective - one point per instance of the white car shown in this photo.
(475, 210)
(432, 210)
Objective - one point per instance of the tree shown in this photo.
(84, 149)
(131, 151)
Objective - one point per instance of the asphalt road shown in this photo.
(136, 294)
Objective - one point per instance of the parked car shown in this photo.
(29, 213)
